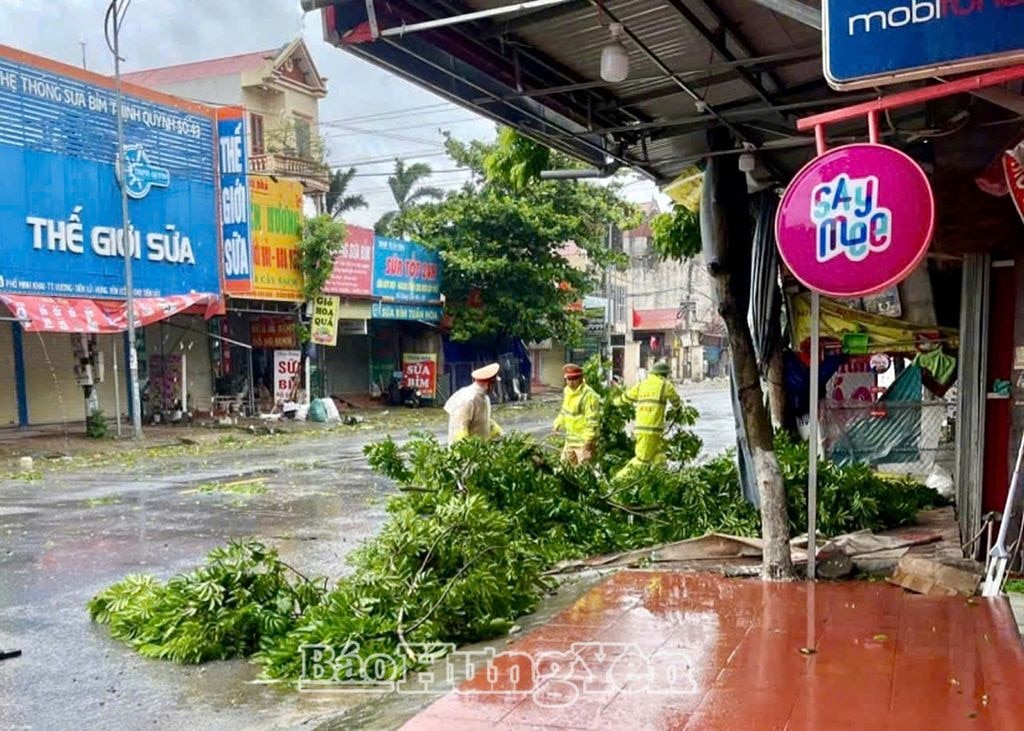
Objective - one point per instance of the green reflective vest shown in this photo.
(651, 397)
(580, 415)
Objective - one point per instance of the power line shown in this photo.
(389, 135)
(394, 113)
(446, 171)
(414, 155)
(406, 128)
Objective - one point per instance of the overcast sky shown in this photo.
(407, 119)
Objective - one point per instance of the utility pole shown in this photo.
(115, 15)
(82, 44)
(609, 317)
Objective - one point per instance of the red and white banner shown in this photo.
(419, 371)
(1013, 170)
(353, 267)
(77, 315)
(993, 179)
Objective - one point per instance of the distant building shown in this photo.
(665, 307)
(280, 89)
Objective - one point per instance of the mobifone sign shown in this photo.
(878, 42)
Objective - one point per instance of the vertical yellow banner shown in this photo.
(324, 330)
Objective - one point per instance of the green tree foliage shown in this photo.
(322, 239)
(338, 200)
(502, 236)
(471, 532)
(676, 234)
(96, 425)
(407, 192)
(220, 610)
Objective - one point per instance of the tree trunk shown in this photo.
(728, 243)
(777, 387)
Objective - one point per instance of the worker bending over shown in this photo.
(469, 408)
(651, 397)
(580, 417)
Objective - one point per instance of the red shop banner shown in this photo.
(273, 333)
(83, 315)
(353, 267)
(419, 371)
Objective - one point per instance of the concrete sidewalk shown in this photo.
(658, 650)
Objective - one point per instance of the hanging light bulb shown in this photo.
(614, 57)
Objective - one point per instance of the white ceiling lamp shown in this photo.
(614, 57)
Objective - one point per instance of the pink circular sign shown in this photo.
(855, 220)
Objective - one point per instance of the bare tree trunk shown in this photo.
(777, 387)
(728, 242)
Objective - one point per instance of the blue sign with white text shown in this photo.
(234, 201)
(390, 311)
(61, 227)
(405, 271)
(872, 42)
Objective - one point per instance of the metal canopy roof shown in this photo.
(694, 64)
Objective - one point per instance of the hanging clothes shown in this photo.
(938, 371)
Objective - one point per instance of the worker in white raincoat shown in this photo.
(469, 408)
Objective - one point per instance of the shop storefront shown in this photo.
(257, 362)
(387, 296)
(62, 269)
(346, 362)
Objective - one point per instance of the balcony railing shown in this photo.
(312, 173)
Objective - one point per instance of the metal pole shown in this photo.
(467, 17)
(609, 312)
(184, 381)
(252, 388)
(117, 392)
(812, 451)
(812, 445)
(126, 240)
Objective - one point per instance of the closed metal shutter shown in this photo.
(348, 365)
(8, 386)
(53, 395)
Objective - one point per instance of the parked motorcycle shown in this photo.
(399, 395)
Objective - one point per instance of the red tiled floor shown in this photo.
(674, 651)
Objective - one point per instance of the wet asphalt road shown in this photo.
(71, 534)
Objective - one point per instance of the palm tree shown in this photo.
(339, 200)
(406, 193)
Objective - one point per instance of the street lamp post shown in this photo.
(115, 15)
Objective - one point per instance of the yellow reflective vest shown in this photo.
(651, 397)
(580, 415)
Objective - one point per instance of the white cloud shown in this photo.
(165, 33)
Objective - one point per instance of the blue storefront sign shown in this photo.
(408, 277)
(875, 42)
(234, 200)
(61, 231)
(392, 311)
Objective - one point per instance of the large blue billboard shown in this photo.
(61, 230)
(870, 42)
(406, 273)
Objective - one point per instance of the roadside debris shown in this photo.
(927, 576)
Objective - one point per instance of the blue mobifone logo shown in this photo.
(140, 175)
(876, 42)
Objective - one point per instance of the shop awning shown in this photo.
(658, 319)
(885, 334)
(67, 314)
